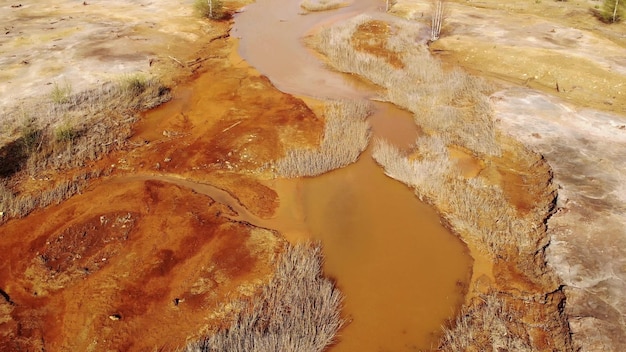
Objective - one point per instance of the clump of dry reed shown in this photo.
(451, 104)
(59, 134)
(321, 5)
(16, 206)
(346, 135)
(472, 207)
(298, 310)
(487, 326)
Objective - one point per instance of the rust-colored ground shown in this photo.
(371, 37)
(136, 264)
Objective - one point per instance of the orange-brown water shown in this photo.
(403, 274)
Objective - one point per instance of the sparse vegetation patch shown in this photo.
(46, 137)
(453, 109)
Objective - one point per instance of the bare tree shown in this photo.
(437, 20)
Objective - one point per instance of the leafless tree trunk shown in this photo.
(437, 20)
(615, 10)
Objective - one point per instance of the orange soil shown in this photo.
(371, 37)
(136, 265)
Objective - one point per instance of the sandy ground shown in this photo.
(563, 75)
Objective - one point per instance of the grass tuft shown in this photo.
(211, 9)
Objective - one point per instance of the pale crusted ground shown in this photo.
(82, 44)
(585, 148)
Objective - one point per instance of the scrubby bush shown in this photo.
(321, 5)
(61, 93)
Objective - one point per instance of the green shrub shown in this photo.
(30, 135)
(134, 84)
(61, 94)
(65, 133)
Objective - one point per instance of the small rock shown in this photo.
(115, 317)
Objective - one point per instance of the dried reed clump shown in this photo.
(321, 5)
(488, 326)
(452, 104)
(471, 206)
(298, 310)
(346, 135)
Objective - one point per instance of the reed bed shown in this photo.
(298, 310)
(452, 104)
(489, 325)
(346, 135)
(474, 208)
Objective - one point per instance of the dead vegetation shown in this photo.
(442, 101)
(346, 135)
(321, 5)
(59, 134)
(298, 310)
(453, 109)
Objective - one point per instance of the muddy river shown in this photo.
(402, 272)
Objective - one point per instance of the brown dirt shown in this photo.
(371, 37)
(136, 265)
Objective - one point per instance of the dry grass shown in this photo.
(321, 5)
(60, 135)
(298, 310)
(346, 135)
(488, 326)
(451, 104)
(16, 206)
(477, 210)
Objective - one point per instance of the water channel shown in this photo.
(402, 272)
